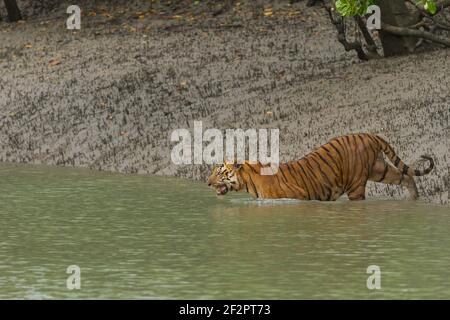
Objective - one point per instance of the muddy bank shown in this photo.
(107, 97)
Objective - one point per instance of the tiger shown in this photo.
(341, 166)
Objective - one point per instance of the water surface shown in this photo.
(136, 236)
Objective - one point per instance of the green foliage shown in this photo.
(429, 5)
(351, 8)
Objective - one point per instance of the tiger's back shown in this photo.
(340, 166)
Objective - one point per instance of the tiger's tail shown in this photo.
(399, 164)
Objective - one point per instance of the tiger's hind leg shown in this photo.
(388, 174)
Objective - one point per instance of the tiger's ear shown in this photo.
(237, 166)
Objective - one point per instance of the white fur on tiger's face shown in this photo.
(224, 177)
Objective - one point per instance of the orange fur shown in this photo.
(341, 166)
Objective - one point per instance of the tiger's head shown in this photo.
(225, 177)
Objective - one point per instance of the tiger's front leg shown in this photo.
(297, 192)
(359, 193)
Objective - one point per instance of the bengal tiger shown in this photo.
(341, 166)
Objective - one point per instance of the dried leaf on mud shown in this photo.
(54, 62)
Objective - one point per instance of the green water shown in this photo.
(137, 236)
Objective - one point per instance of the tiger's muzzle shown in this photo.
(221, 189)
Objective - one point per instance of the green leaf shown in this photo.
(430, 6)
(350, 8)
(342, 7)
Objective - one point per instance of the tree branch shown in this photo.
(371, 45)
(348, 46)
(434, 18)
(442, 4)
(406, 32)
(13, 10)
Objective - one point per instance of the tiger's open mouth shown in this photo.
(221, 189)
